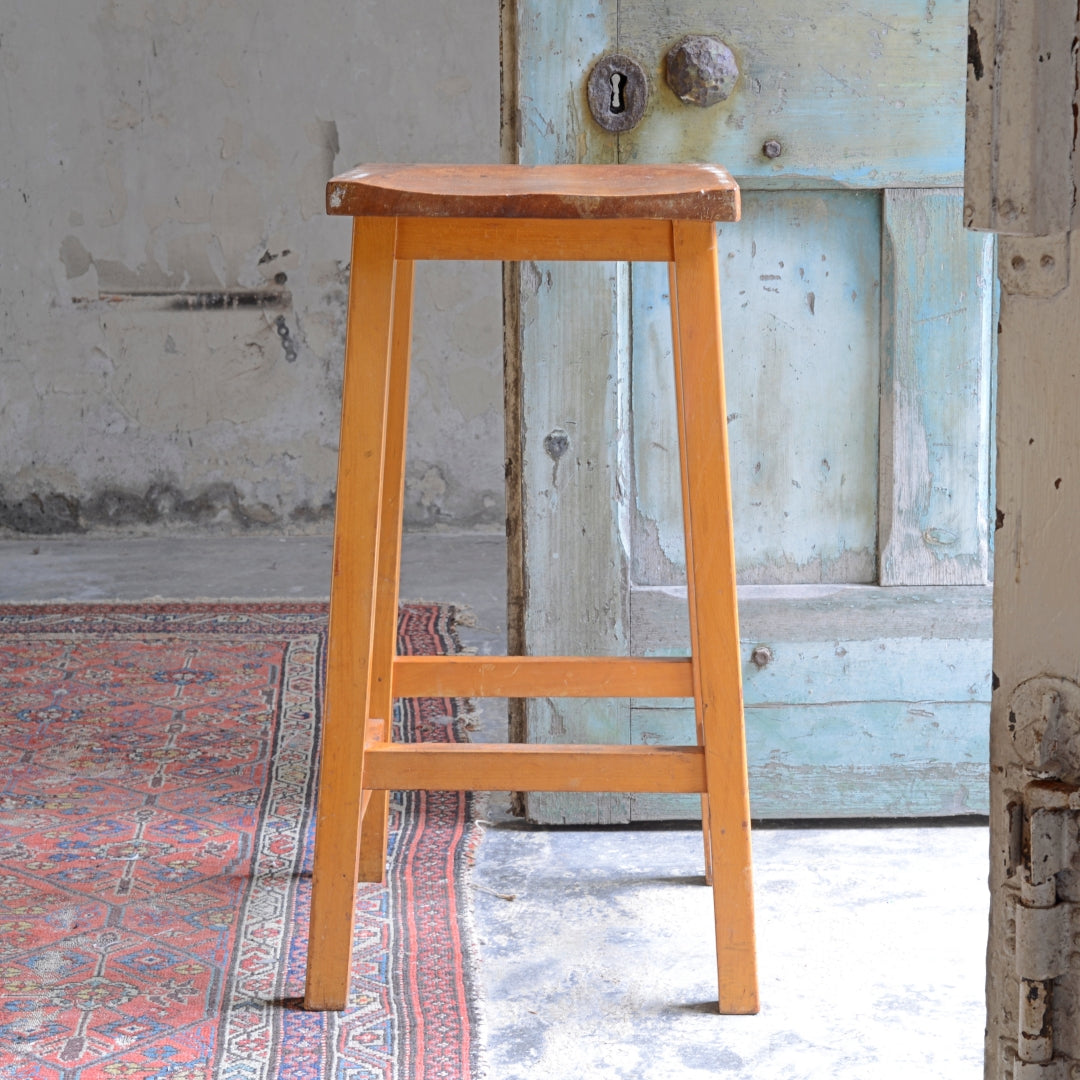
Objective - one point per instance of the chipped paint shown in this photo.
(795, 521)
(826, 105)
(830, 84)
(173, 293)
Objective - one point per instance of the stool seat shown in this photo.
(405, 213)
(591, 192)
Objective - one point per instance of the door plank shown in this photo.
(843, 651)
(574, 406)
(567, 408)
(862, 759)
(819, 613)
(799, 280)
(868, 95)
(803, 672)
(936, 363)
(557, 45)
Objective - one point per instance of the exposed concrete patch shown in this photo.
(475, 332)
(454, 86)
(236, 217)
(231, 138)
(228, 74)
(117, 206)
(74, 256)
(324, 134)
(474, 392)
(312, 181)
(429, 491)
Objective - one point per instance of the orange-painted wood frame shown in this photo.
(359, 762)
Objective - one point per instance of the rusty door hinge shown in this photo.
(1044, 829)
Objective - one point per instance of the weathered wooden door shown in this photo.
(858, 320)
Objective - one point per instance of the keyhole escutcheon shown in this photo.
(618, 91)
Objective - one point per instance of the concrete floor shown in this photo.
(595, 945)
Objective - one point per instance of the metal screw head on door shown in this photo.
(618, 92)
(701, 70)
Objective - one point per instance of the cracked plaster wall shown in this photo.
(171, 292)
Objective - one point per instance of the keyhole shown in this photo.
(618, 82)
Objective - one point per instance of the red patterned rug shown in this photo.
(157, 778)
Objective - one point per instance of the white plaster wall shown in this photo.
(171, 291)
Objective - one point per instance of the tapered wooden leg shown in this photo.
(707, 840)
(714, 623)
(352, 610)
(374, 827)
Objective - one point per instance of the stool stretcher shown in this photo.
(530, 767)
(542, 676)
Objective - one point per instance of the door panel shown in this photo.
(937, 364)
(858, 320)
(801, 304)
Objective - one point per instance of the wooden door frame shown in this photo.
(1021, 176)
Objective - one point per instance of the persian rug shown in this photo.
(158, 766)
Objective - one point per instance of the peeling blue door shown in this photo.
(858, 322)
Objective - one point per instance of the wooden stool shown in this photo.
(632, 213)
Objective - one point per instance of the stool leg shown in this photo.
(714, 624)
(352, 595)
(374, 828)
(686, 502)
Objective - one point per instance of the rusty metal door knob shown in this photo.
(701, 70)
(618, 92)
